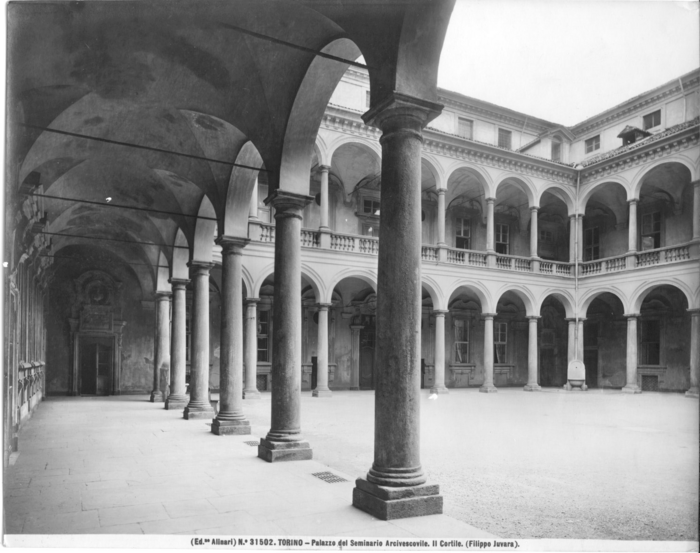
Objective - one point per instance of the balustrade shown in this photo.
(309, 238)
(30, 387)
(429, 253)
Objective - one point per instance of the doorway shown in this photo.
(96, 360)
(367, 337)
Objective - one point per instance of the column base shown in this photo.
(439, 390)
(192, 412)
(532, 388)
(572, 384)
(488, 389)
(693, 392)
(387, 503)
(251, 394)
(631, 389)
(284, 451)
(223, 428)
(175, 402)
(157, 396)
(321, 393)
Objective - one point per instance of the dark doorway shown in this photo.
(422, 373)
(314, 372)
(96, 357)
(548, 368)
(367, 337)
(590, 353)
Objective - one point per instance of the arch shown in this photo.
(482, 177)
(180, 257)
(481, 292)
(643, 290)
(247, 281)
(321, 150)
(559, 191)
(520, 182)
(367, 275)
(429, 166)
(310, 103)
(366, 143)
(561, 295)
(523, 293)
(431, 285)
(310, 275)
(162, 272)
(639, 177)
(437, 168)
(589, 190)
(241, 186)
(590, 295)
(354, 160)
(204, 232)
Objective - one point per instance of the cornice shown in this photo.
(579, 130)
(514, 121)
(471, 151)
(685, 138)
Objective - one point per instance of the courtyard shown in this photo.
(551, 465)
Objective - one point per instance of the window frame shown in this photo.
(558, 143)
(644, 345)
(505, 133)
(651, 115)
(498, 232)
(457, 359)
(263, 336)
(591, 251)
(500, 341)
(462, 224)
(470, 123)
(654, 234)
(592, 144)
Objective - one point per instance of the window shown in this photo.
(591, 244)
(651, 230)
(651, 342)
(370, 207)
(556, 150)
(465, 128)
(504, 138)
(502, 239)
(546, 236)
(463, 233)
(652, 120)
(367, 98)
(461, 341)
(369, 229)
(593, 144)
(500, 340)
(263, 336)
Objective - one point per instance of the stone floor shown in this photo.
(594, 465)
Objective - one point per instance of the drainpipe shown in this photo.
(685, 113)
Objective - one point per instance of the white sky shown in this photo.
(567, 60)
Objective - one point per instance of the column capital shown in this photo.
(631, 315)
(163, 295)
(179, 282)
(694, 312)
(696, 183)
(534, 208)
(198, 268)
(574, 319)
(486, 316)
(252, 301)
(633, 201)
(440, 312)
(533, 318)
(490, 200)
(232, 244)
(324, 306)
(396, 104)
(288, 204)
(575, 216)
(356, 328)
(441, 191)
(324, 168)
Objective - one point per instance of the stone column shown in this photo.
(161, 357)
(696, 210)
(355, 356)
(632, 387)
(230, 418)
(324, 227)
(251, 350)
(284, 441)
(178, 347)
(534, 236)
(439, 385)
(532, 385)
(632, 226)
(395, 486)
(490, 233)
(322, 389)
(572, 238)
(579, 351)
(571, 344)
(253, 210)
(441, 218)
(199, 406)
(579, 232)
(487, 386)
(694, 349)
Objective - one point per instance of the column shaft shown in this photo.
(253, 210)
(490, 236)
(534, 236)
(177, 399)
(488, 386)
(572, 238)
(324, 196)
(632, 387)
(161, 357)
(532, 385)
(694, 349)
(441, 217)
(571, 344)
(284, 442)
(322, 389)
(230, 418)
(199, 405)
(632, 226)
(439, 384)
(579, 232)
(696, 210)
(251, 350)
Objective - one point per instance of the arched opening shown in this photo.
(665, 212)
(512, 218)
(428, 345)
(604, 230)
(464, 339)
(553, 228)
(604, 342)
(510, 341)
(552, 340)
(465, 212)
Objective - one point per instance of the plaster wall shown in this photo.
(445, 122)
(349, 95)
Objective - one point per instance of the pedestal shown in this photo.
(224, 427)
(387, 503)
(271, 451)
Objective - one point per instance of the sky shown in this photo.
(567, 60)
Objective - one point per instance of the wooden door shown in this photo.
(96, 359)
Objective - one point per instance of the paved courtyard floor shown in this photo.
(594, 465)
